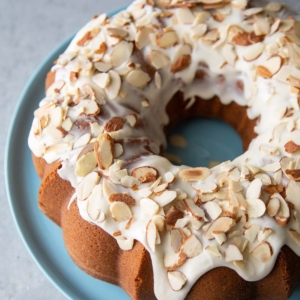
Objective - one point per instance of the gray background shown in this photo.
(29, 30)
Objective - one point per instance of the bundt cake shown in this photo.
(129, 216)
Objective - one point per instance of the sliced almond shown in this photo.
(198, 30)
(121, 53)
(177, 238)
(283, 216)
(270, 67)
(177, 280)
(213, 209)
(255, 208)
(174, 261)
(273, 6)
(251, 232)
(194, 174)
(293, 194)
(167, 39)
(229, 54)
(151, 235)
(104, 149)
(254, 51)
(206, 187)
(102, 80)
(86, 185)
(142, 37)
(103, 66)
(125, 244)
(112, 90)
(184, 15)
(263, 252)
(120, 211)
(138, 78)
(145, 174)
(261, 26)
(264, 234)
(232, 253)
(291, 147)
(273, 207)
(165, 197)
(182, 63)
(254, 189)
(214, 250)
(220, 237)
(295, 236)
(122, 198)
(223, 224)
(173, 216)
(158, 59)
(93, 204)
(252, 11)
(149, 206)
(114, 124)
(192, 246)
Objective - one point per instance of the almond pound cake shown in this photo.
(129, 216)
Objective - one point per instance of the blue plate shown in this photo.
(43, 238)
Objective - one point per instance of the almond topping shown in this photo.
(122, 198)
(263, 252)
(104, 149)
(120, 211)
(125, 244)
(149, 206)
(102, 80)
(182, 63)
(174, 261)
(121, 53)
(167, 39)
(232, 253)
(158, 59)
(86, 186)
(273, 207)
(254, 51)
(270, 67)
(112, 90)
(291, 147)
(295, 236)
(138, 78)
(114, 124)
(195, 174)
(145, 174)
(177, 280)
(192, 246)
(151, 235)
(223, 224)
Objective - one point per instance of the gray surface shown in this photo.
(29, 30)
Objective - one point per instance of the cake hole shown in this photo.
(202, 142)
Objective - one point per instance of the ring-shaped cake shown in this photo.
(128, 215)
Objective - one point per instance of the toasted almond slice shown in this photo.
(194, 174)
(264, 234)
(131, 119)
(142, 37)
(261, 26)
(198, 30)
(192, 246)
(266, 180)
(292, 194)
(159, 223)
(112, 90)
(254, 51)
(273, 207)
(149, 206)
(291, 147)
(174, 261)
(165, 198)
(86, 185)
(254, 189)
(251, 232)
(273, 6)
(151, 235)
(177, 238)
(184, 15)
(177, 280)
(286, 25)
(114, 124)
(213, 209)
(270, 67)
(120, 211)
(138, 78)
(283, 216)
(85, 164)
(220, 237)
(93, 204)
(158, 59)
(55, 88)
(232, 253)
(229, 54)
(104, 148)
(252, 11)
(173, 216)
(82, 141)
(214, 250)
(121, 53)
(255, 208)
(103, 66)
(125, 244)
(223, 224)
(274, 167)
(295, 236)
(182, 63)
(263, 252)
(118, 150)
(122, 198)
(102, 80)
(145, 174)
(167, 39)
(206, 187)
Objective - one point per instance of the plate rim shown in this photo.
(8, 173)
